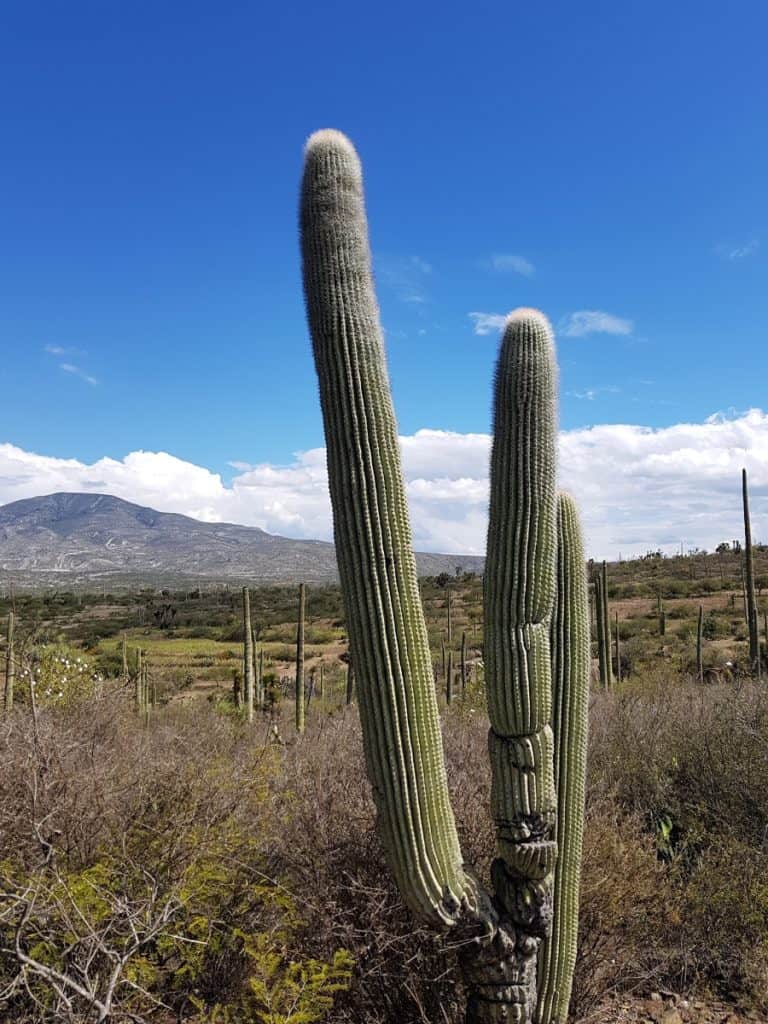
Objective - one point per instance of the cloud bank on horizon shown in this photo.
(639, 488)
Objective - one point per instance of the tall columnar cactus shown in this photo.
(300, 661)
(570, 700)
(661, 614)
(139, 681)
(124, 666)
(500, 934)
(448, 607)
(463, 664)
(749, 574)
(617, 634)
(601, 626)
(10, 662)
(449, 679)
(700, 645)
(350, 688)
(606, 624)
(248, 673)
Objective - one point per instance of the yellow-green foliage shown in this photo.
(61, 676)
(283, 991)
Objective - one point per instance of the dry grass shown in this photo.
(675, 861)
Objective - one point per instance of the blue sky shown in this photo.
(605, 162)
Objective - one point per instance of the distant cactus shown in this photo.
(662, 615)
(10, 662)
(603, 627)
(463, 664)
(248, 672)
(500, 934)
(449, 679)
(749, 581)
(124, 667)
(139, 681)
(300, 662)
(448, 606)
(699, 645)
(617, 634)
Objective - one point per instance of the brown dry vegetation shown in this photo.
(195, 850)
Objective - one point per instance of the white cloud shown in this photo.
(593, 321)
(406, 277)
(76, 371)
(487, 323)
(638, 488)
(508, 262)
(735, 253)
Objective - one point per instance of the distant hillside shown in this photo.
(88, 536)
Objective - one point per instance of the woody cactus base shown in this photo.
(536, 626)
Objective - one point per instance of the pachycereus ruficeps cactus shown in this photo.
(517, 940)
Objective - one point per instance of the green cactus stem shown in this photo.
(10, 662)
(448, 606)
(617, 634)
(260, 694)
(749, 579)
(389, 644)
(662, 615)
(449, 679)
(700, 645)
(248, 672)
(570, 696)
(300, 661)
(520, 586)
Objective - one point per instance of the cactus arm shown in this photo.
(570, 707)
(390, 650)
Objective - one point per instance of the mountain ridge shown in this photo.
(92, 535)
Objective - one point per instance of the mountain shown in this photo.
(79, 537)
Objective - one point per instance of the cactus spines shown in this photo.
(10, 662)
(499, 934)
(300, 661)
(390, 649)
(247, 656)
(570, 698)
(749, 582)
